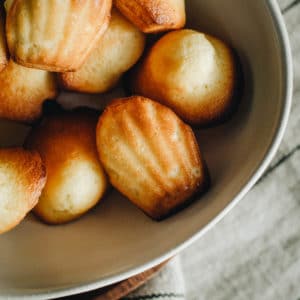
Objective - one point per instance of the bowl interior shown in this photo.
(116, 237)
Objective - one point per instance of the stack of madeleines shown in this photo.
(142, 145)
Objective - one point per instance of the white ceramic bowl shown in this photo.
(116, 240)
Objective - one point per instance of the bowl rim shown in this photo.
(287, 69)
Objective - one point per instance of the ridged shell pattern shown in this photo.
(150, 155)
(55, 35)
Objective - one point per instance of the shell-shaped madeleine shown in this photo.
(75, 178)
(150, 155)
(22, 177)
(55, 35)
(23, 91)
(3, 48)
(154, 15)
(118, 50)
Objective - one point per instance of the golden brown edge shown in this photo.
(41, 179)
(147, 22)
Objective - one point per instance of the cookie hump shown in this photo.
(193, 73)
(76, 181)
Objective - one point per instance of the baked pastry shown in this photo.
(3, 48)
(23, 177)
(55, 35)
(193, 73)
(75, 179)
(117, 51)
(23, 91)
(154, 15)
(150, 155)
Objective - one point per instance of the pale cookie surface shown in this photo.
(192, 73)
(150, 155)
(55, 35)
(117, 51)
(154, 15)
(23, 91)
(75, 179)
(22, 178)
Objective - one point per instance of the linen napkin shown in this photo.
(168, 284)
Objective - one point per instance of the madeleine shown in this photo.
(193, 73)
(55, 35)
(154, 15)
(22, 177)
(23, 91)
(150, 155)
(116, 52)
(75, 179)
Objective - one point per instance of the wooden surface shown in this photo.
(121, 289)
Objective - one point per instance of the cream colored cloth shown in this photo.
(168, 284)
(254, 252)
